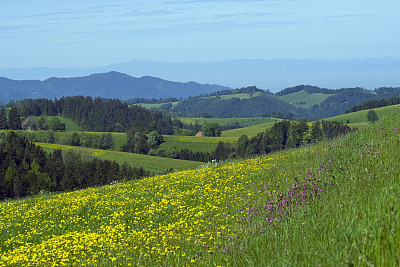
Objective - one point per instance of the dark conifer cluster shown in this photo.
(375, 104)
(25, 169)
(99, 115)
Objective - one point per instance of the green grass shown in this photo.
(155, 106)
(249, 131)
(153, 164)
(242, 122)
(303, 96)
(331, 204)
(360, 117)
(70, 125)
(195, 144)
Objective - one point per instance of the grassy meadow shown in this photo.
(193, 143)
(149, 163)
(250, 131)
(242, 122)
(303, 99)
(331, 204)
(359, 118)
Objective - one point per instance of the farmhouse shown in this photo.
(199, 134)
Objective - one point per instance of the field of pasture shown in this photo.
(331, 204)
(193, 143)
(242, 122)
(360, 117)
(149, 163)
(303, 99)
(249, 131)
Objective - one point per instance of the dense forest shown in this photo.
(99, 115)
(375, 104)
(26, 169)
(308, 88)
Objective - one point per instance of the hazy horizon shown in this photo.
(92, 33)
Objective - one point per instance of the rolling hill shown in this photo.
(301, 101)
(107, 85)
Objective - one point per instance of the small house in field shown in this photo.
(199, 134)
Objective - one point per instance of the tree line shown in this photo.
(26, 169)
(282, 135)
(375, 104)
(289, 134)
(13, 121)
(98, 115)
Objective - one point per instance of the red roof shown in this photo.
(199, 134)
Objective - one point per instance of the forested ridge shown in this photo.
(99, 115)
(26, 169)
(375, 104)
(264, 103)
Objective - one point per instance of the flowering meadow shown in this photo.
(328, 204)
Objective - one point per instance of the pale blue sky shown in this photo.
(44, 33)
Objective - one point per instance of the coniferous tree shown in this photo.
(3, 119)
(316, 132)
(14, 121)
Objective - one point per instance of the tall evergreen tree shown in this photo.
(3, 119)
(14, 119)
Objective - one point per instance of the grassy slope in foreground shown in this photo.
(150, 163)
(331, 204)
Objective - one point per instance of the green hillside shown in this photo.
(360, 117)
(241, 122)
(150, 163)
(195, 144)
(303, 99)
(331, 204)
(249, 131)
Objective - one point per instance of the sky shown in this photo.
(54, 33)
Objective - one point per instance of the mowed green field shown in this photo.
(249, 131)
(151, 106)
(70, 125)
(360, 117)
(242, 122)
(153, 164)
(303, 96)
(193, 143)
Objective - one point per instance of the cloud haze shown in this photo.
(89, 33)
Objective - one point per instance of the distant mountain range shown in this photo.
(107, 85)
(301, 101)
(274, 75)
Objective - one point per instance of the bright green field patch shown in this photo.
(150, 163)
(302, 96)
(360, 117)
(195, 144)
(242, 122)
(249, 131)
(156, 106)
(240, 96)
(70, 125)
